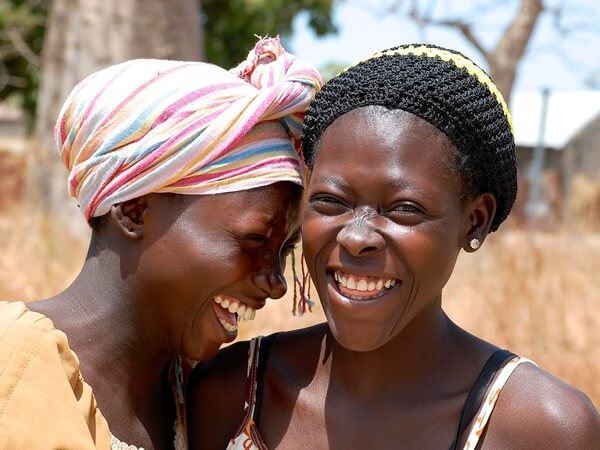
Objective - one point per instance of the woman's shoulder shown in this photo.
(230, 365)
(216, 395)
(538, 410)
(24, 333)
(29, 338)
(16, 317)
(218, 390)
(38, 368)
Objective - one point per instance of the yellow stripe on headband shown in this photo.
(458, 60)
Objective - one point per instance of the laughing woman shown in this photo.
(412, 161)
(189, 177)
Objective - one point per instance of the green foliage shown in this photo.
(331, 69)
(230, 26)
(22, 27)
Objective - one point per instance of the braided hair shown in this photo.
(446, 89)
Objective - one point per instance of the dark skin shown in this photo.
(146, 290)
(392, 371)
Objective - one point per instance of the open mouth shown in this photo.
(230, 311)
(357, 287)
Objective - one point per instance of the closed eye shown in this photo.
(255, 240)
(407, 213)
(328, 204)
(407, 208)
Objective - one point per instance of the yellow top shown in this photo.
(44, 402)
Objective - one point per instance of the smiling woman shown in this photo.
(190, 178)
(375, 241)
(412, 161)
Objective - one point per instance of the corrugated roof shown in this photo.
(568, 113)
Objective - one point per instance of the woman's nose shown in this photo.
(272, 282)
(360, 238)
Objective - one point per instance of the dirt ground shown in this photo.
(12, 178)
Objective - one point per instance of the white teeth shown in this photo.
(244, 312)
(227, 326)
(361, 285)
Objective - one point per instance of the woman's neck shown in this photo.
(408, 365)
(118, 357)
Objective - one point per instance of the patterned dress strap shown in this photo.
(247, 437)
(251, 381)
(483, 416)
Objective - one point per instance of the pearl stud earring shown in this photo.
(474, 243)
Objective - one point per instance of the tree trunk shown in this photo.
(86, 35)
(509, 50)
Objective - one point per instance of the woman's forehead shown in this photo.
(372, 131)
(396, 150)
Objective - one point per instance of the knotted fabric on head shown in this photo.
(147, 126)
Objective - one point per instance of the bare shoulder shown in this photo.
(217, 389)
(537, 410)
(216, 393)
(306, 342)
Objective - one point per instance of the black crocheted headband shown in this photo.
(446, 89)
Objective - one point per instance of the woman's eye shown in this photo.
(255, 240)
(328, 204)
(407, 213)
(407, 208)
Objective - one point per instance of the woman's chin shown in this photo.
(358, 341)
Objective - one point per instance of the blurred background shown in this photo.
(534, 287)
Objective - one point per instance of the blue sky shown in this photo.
(552, 60)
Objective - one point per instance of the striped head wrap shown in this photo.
(148, 125)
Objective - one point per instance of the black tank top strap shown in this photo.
(477, 394)
(265, 347)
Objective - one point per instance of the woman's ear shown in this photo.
(129, 216)
(480, 214)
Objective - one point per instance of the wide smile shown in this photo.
(363, 288)
(230, 311)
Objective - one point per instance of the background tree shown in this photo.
(474, 20)
(228, 27)
(22, 26)
(81, 37)
(231, 25)
(504, 56)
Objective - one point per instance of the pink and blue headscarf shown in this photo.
(148, 125)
